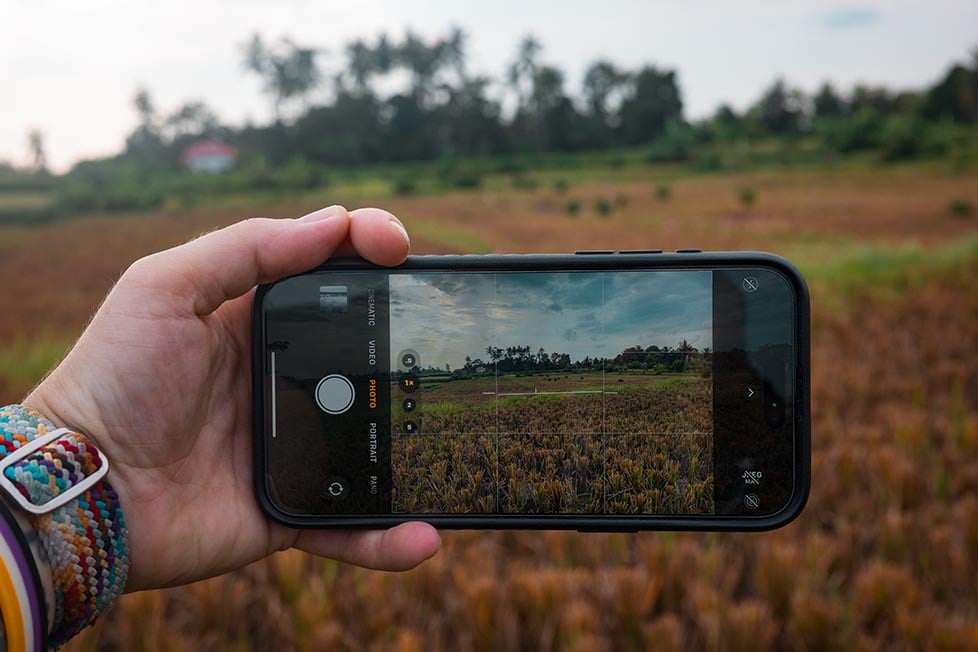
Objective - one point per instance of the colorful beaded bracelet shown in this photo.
(74, 511)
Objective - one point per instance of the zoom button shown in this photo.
(408, 383)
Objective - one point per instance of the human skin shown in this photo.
(161, 381)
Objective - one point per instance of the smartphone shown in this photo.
(599, 391)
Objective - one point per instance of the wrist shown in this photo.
(59, 403)
(53, 477)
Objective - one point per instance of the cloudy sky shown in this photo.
(70, 68)
(445, 317)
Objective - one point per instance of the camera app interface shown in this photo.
(551, 393)
(626, 392)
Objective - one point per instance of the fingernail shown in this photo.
(321, 214)
(400, 228)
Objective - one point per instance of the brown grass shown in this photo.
(556, 454)
(885, 557)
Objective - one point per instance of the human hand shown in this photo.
(161, 381)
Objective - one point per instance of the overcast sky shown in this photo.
(445, 317)
(70, 68)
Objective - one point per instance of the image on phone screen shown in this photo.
(536, 392)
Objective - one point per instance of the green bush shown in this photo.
(747, 196)
(861, 131)
(257, 175)
(561, 186)
(676, 145)
(602, 207)
(467, 180)
(572, 207)
(903, 140)
(961, 207)
(404, 186)
(510, 166)
(524, 182)
(299, 174)
(707, 162)
(662, 192)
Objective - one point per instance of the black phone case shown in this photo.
(581, 260)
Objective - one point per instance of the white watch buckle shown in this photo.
(61, 499)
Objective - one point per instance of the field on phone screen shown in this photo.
(558, 443)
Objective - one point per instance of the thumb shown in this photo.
(227, 263)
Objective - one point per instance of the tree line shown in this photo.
(389, 101)
(523, 359)
(437, 107)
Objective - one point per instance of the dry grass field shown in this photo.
(885, 556)
(554, 454)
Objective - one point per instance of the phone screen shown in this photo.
(579, 392)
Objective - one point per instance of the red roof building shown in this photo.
(210, 156)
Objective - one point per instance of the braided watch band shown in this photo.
(85, 539)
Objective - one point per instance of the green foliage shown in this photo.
(860, 131)
(466, 180)
(780, 109)
(653, 106)
(955, 97)
(510, 165)
(572, 207)
(16, 180)
(561, 186)
(961, 207)
(707, 161)
(299, 174)
(287, 70)
(602, 207)
(676, 145)
(747, 197)
(524, 181)
(404, 186)
(663, 192)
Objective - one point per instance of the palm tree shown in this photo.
(360, 62)
(289, 70)
(523, 70)
(39, 159)
(687, 350)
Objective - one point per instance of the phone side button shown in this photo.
(640, 251)
(593, 252)
(689, 251)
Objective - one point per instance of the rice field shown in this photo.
(885, 556)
